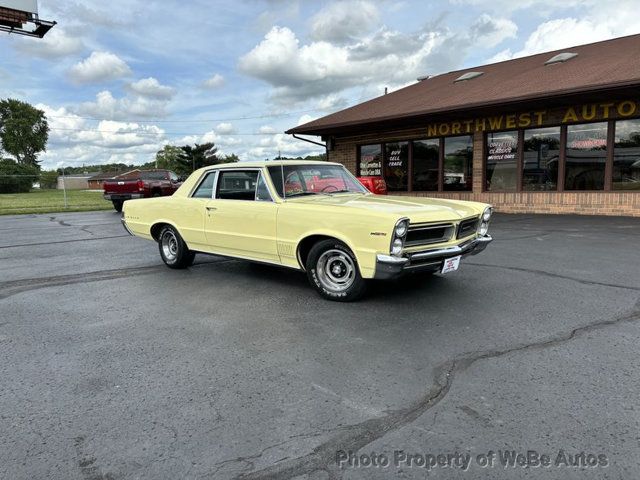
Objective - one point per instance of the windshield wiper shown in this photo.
(342, 191)
(299, 194)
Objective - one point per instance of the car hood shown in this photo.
(418, 209)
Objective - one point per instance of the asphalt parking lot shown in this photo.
(114, 367)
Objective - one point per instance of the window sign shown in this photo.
(396, 165)
(586, 156)
(371, 160)
(501, 164)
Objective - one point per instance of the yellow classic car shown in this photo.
(310, 216)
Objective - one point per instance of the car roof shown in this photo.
(268, 163)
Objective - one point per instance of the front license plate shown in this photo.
(451, 264)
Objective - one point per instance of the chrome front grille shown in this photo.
(427, 234)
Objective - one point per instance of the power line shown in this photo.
(136, 132)
(269, 115)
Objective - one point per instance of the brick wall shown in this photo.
(582, 203)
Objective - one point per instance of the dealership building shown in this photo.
(557, 132)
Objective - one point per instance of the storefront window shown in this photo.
(458, 163)
(396, 165)
(541, 157)
(426, 154)
(626, 156)
(586, 156)
(502, 155)
(371, 160)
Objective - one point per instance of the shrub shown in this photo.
(16, 178)
(48, 179)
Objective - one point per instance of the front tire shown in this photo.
(173, 250)
(333, 271)
(117, 204)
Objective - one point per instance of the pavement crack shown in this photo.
(65, 241)
(8, 289)
(554, 275)
(355, 437)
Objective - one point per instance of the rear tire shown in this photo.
(173, 250)
(333, 271)
(117, 204)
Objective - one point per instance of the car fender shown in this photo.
(364, 257)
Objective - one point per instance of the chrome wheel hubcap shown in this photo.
(169, 246)
(336, 270)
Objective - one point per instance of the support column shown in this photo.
(478, 162)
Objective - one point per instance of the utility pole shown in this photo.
(64, 190)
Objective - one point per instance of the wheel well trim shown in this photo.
(328, 236)
(157, 224)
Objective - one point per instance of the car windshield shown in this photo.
(299, 180)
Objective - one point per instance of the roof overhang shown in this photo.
(558, 98)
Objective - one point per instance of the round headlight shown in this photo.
(401, 229)
(396, 247)
(484, 228)
(486, 215)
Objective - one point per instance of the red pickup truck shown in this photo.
(140, 184)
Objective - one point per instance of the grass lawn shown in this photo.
(49, 201)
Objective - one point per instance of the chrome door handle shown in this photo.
(212, 208)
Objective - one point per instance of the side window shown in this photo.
(173, 177)
(205, 189)
(237, 185)
(262, 191)
(276, 178)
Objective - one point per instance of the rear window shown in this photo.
(153, 175)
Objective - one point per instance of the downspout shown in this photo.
(325, 145)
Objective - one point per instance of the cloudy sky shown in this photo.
(120, 81)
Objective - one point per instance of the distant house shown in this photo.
(79, 181)
(95, 182)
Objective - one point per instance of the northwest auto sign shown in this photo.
(539, 118)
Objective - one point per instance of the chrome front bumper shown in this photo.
(388, 266)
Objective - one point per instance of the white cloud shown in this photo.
(490, 31)
(74, 140)
(285, 145)
(216, 81)
(344, 21)
(225, 128)
(386, 58)
(108, 107)
(150, 87)
(57, 43)
(267, 129)
(306, 118)
(99, 67)
(568, 32)
(320, 68)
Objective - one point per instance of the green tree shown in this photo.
(198, 156)
(48, 179)
(169, 158)
(230, 158)
(24, 131)
(16, 177)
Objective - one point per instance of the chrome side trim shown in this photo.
(124, 224)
